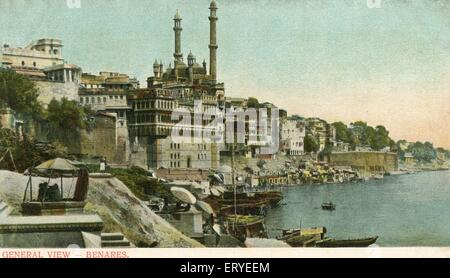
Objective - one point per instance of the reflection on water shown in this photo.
(406, 210)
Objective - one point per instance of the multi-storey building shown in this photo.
(189, 90)
(42, 62)
(292, 135)
(324, 133)
(107, 92)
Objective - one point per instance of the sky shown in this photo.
(386, 63)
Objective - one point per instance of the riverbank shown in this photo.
(404, 210)
(303, 170)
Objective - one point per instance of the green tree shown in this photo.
(343, 134)
(19, 93)
(358, 130)
(325, 152)
(66, 114)
(311, 144)
(423, 152)
(252, 102)
(363, 134)
(380, 139)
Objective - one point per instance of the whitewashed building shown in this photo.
(292, 136)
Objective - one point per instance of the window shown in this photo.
(34, 64)
(23, 63)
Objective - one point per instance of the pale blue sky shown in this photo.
(339, 60)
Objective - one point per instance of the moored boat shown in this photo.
(245, 226)
(359, 242)
(305, 237)
(328, 206)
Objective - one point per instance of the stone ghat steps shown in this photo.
(114, 240)
(112, 236)
(116, 243)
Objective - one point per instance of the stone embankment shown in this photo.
(120, 210)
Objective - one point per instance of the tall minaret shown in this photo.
(177, 28)
(212, 40)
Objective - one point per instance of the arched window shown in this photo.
(23, 63)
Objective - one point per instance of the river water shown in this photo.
(404, 210)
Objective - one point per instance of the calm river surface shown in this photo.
(405, 210)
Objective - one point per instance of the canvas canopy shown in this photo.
(205, 207)
(183, 195)
(56, 165)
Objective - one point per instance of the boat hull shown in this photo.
(362, 242)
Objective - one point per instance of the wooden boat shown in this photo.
(244, 209)
(328, 206)
(305, 237)
(360, 242)
(272, 198)
(243, 226)
(255, 203)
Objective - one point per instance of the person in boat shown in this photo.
(43, 186)
(53, 194)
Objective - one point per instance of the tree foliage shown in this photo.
(19, 93)
(360, 133)
(423, 152)
(252, 102)
(311, 144)
(343, 134)
(66, 114)
(27, 152)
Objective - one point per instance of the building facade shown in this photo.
(323, 132)
(107, 93)
(42, 62)
(188, 89)
(292, 136)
